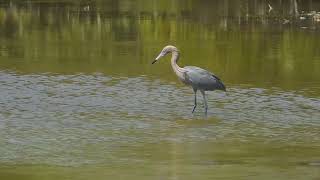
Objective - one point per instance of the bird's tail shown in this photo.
(222, 86)
(219, 83)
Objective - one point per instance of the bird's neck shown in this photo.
(174, 59)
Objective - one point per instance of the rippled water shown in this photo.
(79, 98)
(98, 120)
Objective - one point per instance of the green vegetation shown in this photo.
(235, 39)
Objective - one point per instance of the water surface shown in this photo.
(79, 98)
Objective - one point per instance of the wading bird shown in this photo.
(197, 78)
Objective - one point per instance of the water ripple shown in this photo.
(77, 119)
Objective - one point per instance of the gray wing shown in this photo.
(203, 79)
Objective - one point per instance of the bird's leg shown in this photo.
(195, 100)
(204, 101)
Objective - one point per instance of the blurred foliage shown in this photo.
(243, 41)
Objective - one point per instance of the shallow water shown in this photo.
(79, 98)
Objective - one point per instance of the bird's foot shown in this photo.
(194, 107)
(206, 111)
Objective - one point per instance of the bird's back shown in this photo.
(202, 79)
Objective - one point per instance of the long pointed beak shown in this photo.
(154, 61)
(157, 58)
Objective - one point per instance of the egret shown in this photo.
(198, 78)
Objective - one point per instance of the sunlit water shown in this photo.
(82, 101)
(96, 120)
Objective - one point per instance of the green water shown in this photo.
(79, 98)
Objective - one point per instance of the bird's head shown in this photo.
(165, 51)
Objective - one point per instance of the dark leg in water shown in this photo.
(195, 100)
